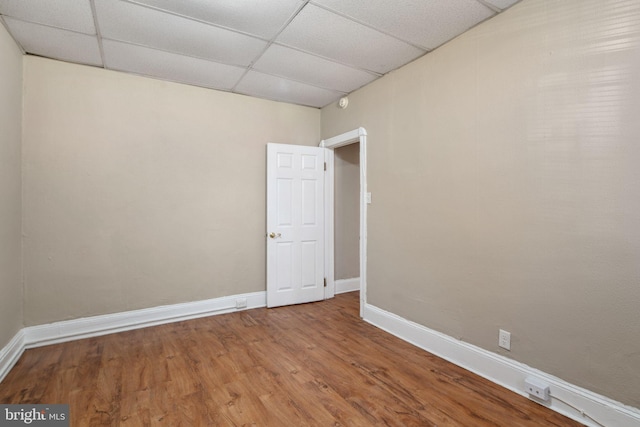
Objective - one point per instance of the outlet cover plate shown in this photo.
(504, 339)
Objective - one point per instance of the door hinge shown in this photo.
(325, 166)
(325, 282)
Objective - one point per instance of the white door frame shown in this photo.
(347, 138)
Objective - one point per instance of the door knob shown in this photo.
(274, 235)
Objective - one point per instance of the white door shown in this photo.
(295, 224)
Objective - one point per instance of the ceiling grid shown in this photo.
(306, 52)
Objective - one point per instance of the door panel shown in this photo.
(308, 262)
(309, 197)
(285, 200)
(295, 224)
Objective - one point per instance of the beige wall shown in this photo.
(141, 193)
(10, 188)
(504, 168)
(347, 211)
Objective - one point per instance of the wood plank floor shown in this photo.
(307, 365)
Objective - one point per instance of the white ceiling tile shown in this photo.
(258, 17)
(502, 4)
(279, 89)
(426, 23)
(329, 48)
(74, 15)
(292, 64)
(327, 34)
(170, 66)
(140, 25)
(55, 43)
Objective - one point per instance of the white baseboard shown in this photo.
(508, 373)
(10, 353)
(69, 330)
(347, 285)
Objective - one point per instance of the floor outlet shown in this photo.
(241, 303)
(504, 340)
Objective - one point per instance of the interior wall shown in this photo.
(347, 212)
(504, 173)
(10, 188)
(140, 192)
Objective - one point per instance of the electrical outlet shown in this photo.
(537, 388)
(504, 339)
(241, 303)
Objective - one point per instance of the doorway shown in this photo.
(348, 138)
(347, 218)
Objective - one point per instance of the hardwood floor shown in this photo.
(307, 365)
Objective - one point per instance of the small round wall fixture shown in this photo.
(344, 101)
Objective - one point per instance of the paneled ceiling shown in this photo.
(298, 51)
